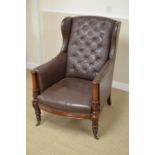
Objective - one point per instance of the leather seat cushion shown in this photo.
(69, 94)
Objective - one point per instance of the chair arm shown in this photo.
(51, 72)
(104, 80)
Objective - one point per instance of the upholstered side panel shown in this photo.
(89, 46)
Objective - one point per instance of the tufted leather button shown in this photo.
(86, 56)
(82, 37)
(98, 58)
(74, 54)
(87, 43)
(96, 29)
(92, 50)
(81, 49)
(91, 62)
(90, 33)
(94, 38)
(99, 45)
(85, 28)
(95, 70)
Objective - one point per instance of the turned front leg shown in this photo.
(95, 108)
(37, 111)
(35, 94)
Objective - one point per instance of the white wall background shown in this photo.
(33, 40)
(112, 8)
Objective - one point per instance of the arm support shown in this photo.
(104, 76)
(51, 72)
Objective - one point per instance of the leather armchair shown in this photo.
(73, 82)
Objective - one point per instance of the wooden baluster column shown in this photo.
(35, 94)
(95, 108)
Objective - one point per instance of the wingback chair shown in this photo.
(77, 82)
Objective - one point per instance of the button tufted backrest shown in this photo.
(89, 45)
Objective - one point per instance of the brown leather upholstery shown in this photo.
(89, 46)
(87, 54)
(69, 94)
(77, 82)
